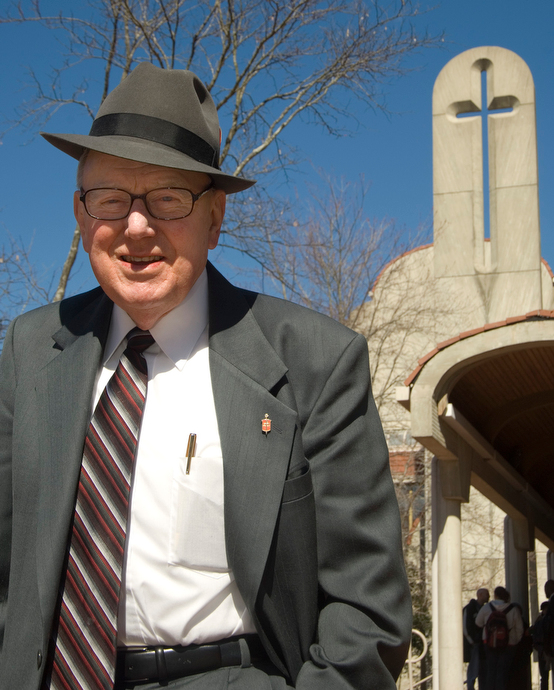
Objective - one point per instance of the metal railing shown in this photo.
(411, 660)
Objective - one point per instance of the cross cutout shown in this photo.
(501, 104)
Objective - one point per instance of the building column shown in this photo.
(447, 586)
(516, 545)
(534, 587)
(549, 565)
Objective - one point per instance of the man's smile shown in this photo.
(140, 259)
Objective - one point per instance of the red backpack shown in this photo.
(496, 628)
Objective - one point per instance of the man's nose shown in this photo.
(138, 220)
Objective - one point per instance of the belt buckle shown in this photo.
(127, 654)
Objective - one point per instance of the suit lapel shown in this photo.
(64, 396)
(244, 370)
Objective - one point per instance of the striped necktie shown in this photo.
(86, 644)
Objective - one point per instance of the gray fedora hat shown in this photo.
(157, 116)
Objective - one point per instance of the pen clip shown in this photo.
(191, 449)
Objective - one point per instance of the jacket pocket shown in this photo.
(299, 487)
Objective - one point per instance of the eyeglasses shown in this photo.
(166, 203)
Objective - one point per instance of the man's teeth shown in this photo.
(140, 259)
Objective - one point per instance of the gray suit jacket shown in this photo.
(312, 526)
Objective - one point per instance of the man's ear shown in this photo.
(78, 209)
(219, 201)
(79, 213)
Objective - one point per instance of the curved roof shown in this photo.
(531, 316)
(500, 378)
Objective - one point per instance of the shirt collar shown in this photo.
(176, 333)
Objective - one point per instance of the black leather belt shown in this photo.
(162, 664)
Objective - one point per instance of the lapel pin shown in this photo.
(266, 425)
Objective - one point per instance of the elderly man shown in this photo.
(249, 536)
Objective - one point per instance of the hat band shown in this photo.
(157, 130)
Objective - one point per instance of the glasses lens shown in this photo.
(108, 204)
(168, 204)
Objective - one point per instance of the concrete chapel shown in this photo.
(476, 349)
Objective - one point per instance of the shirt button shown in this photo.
(39, 659)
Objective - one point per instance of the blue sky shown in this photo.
(392, 152)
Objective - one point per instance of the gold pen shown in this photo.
(191, 449)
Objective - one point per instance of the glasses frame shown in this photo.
(142, 197)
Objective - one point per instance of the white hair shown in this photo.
(81, 167)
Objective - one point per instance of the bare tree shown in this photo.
(327, 254)
(20, 286)
(267, 64)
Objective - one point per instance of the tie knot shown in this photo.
(138, 340)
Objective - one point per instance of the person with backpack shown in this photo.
(473, 648)
(502, 630)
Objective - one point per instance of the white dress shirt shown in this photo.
(177, 587)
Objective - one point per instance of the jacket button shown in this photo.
(39, 659)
